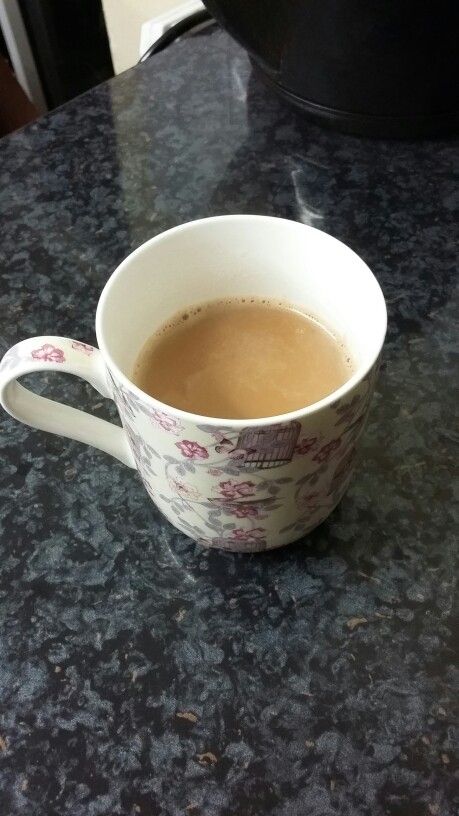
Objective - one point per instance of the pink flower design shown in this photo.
(234, 490)
(215, 471)
(248, 535)
(242, 510)
(84, 347)
(305, 445)
(192, 450)
(324, 454)
(166, 422)
(245, 488)
(184, 490)
(49, 353)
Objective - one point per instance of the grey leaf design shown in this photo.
(215, 514)
(231, 471)
(146, 470)
(212, 526)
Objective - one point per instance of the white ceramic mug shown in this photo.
(245, 484)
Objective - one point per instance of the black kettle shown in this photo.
(387, 68)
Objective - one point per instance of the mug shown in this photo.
(245, 485)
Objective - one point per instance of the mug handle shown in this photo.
(73, 357)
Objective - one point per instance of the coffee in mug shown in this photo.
(242, 358)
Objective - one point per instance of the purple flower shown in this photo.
(84, 347)
(241, 510)
(165, 421)
(245, 511)
(234, 490)
(49, 353)
(192, 450)
(184, 490)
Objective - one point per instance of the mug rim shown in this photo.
(201, 419)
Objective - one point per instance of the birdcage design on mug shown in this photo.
(269, 447)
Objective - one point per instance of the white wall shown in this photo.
(124, 19)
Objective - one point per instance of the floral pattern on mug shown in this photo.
(184, 490)
(49, 354)
(84, 347)
(242, 510)
(234, 490)
(244, 489)
(166, 422)
(192, 450)
(129, 404)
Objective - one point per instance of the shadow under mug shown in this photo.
(247, 485)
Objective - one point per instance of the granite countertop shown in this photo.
(139, 673)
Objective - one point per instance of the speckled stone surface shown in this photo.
(140, 674)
